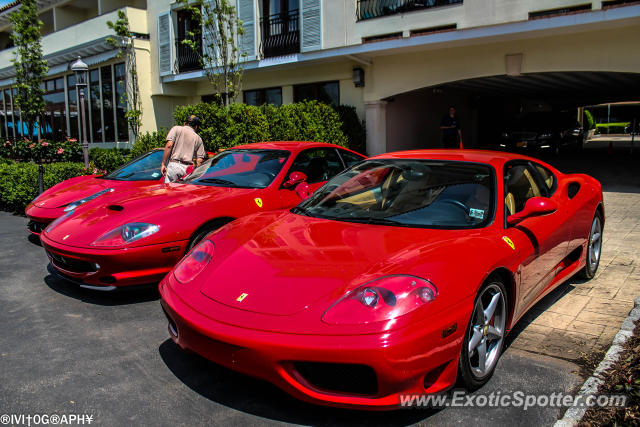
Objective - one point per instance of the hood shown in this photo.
(71, 190)
(155, 204)
(284, 265)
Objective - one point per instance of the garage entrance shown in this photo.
(487, 106)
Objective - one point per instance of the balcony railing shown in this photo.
(187, 59)
(281, 34)
(368, 9)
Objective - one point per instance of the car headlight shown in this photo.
(126, 234)
(545, 136)
(380, 300)
(195, 261)
(71, 206)
(505, 135)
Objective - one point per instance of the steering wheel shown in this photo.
(457, 203)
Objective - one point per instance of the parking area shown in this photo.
(66, 350)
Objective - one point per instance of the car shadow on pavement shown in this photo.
(34, 239)
(540, 307)
(260, 398)
(110, 298)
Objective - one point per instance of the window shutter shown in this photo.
(165, 47)
(246, 13)
(311, 25)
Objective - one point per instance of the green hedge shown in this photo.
(109, 159)
(224, 127)
(19, 181)
(148, 141)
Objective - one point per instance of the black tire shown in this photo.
(594, 248)
(205, 230)
(473, 377)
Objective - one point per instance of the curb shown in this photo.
(590, 386)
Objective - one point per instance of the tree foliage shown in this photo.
(124, 41)
(217, 44)
(28, 62)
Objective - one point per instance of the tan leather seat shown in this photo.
(510, 203)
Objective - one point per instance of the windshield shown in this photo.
(143, 168)
(240, 168)
(410, 193)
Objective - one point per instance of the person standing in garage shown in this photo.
(451, 132)
(183, 145)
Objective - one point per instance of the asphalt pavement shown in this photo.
(65, 350)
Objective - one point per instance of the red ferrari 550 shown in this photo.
(136, 238)
(69, 194)
(400, 275)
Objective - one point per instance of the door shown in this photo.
(544, 239)
(318, 164)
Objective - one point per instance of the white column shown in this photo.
(376, 126)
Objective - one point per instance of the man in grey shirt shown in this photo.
(183, 145)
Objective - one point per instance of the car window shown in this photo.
(350, 158)
(145, 167)
(520, 186)
(548, 178)
(244, 168)
(319, 164)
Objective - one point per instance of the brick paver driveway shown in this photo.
(581, 317)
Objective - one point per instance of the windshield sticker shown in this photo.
(476, 213)
(258, 201)
(155, 174)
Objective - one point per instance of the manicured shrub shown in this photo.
(353, 128)
(109, 159)
(19, 181)
(224, 127)
(147, 142)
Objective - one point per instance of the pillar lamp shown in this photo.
(81, 71)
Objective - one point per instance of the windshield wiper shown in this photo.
(218, 181)
(298, 210)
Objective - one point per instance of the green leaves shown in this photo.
(124, 41)
(237, 124)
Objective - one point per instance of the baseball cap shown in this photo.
(193, 120)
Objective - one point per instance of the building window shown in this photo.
(72, 98)
(95, 103)
(263, 96)
(368, 9)
(121, 101)
(188, 27)
(107, 103)
(327, 92)
(280, 28)
(54, 120)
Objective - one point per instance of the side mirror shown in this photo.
(295, 178)
(535, 206)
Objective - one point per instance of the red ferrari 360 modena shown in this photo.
(400, 275)
(137, 237)
(68, 195)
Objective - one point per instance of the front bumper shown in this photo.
(108, 268)
(40, 218)
(407, 360)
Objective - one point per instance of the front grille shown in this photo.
(36, 227)
(339, 377)
(73, 265)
